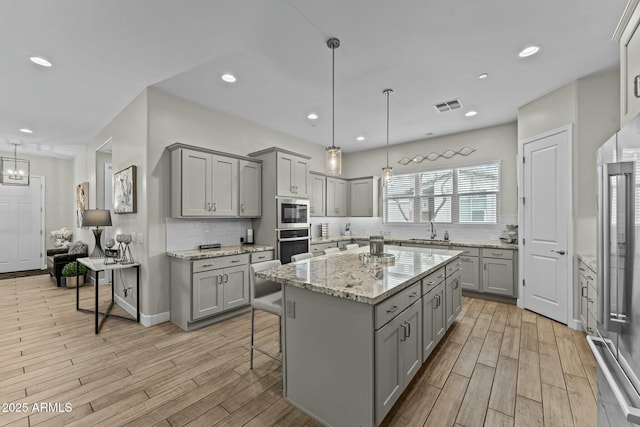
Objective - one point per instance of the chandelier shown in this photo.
(15, 171)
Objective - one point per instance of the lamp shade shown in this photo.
(96, 218)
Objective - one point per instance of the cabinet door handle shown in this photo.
(636, 86)
(242, 207)
(235, 260)
(590, 329)
(582, 269)
(431, 282)
(392, 309)
(226, 278)
(409, 329)
(589, 299)
(413, 294)
(582, 292)
(404, 332)
(496, 253)
(262, 257)
(457, 283)
(466, 259)
(206, 265)
(215, 207)
(220, 277)
(589, 277)
(440, 276)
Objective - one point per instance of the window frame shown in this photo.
(454, 196)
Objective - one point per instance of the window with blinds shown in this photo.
(465, 195)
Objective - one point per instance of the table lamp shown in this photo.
(96, 218)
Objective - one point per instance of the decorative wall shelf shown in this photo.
(464, 151)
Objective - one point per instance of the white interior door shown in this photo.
(547, 219)
(21, 226)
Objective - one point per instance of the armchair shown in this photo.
(59, 257)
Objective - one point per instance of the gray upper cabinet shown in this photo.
(224, 186)
(337, 195)
(250, 189)
(317, 194)
(629, 37)
(193, 183)
(364, 197)
(207, 183)
(292, 175)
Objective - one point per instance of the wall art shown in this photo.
(124, 191)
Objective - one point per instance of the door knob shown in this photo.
(561, 252)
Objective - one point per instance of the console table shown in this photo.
(96, 265)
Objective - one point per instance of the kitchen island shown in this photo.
(355, 333)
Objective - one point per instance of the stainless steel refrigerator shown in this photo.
(617, 343)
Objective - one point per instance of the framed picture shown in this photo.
(124, 191)
(82, 201)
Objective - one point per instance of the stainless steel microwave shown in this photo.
(293, 213)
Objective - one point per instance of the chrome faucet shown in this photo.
(434, 233)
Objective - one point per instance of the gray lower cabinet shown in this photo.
(588, 298)
(497, 276)
(470, 274)
(433, 320)
(209, 288)
(398, 348)
(453, 297)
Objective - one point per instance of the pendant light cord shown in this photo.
(387, 128)
(333, 96)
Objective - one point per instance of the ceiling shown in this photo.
(106, 52)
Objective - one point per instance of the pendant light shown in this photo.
(387, 171)
(333, 155)
(15, 171)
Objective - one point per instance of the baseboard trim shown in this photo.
(145, 319)
(576, 324)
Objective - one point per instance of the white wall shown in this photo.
(59, 195)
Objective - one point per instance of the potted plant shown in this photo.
(69, 273)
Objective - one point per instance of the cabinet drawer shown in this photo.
(497, 253)
(453, 266)
(390, 308)
(432, 280)
(219, 262)
(261, 256)
(318, 248)
(466, 251)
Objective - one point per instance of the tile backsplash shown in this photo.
(185, 234)
(373, 226)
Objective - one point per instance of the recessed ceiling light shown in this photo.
(229, 78)
(470, 113)
(360, 138)
(312, 116)
(40, 61)
(528, 51)
(25, 130)
(483, 76)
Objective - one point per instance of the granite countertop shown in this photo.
(590, 261)
(344, 276)
(401, 240)
(195, 254)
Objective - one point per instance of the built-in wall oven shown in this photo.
(292, 241)
(293, 213)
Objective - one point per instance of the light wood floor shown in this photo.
(498, 365)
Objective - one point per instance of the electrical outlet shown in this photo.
(133, 237)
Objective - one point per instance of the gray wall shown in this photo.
(491, 144)
(591, 105)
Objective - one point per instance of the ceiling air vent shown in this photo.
(448, 106)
